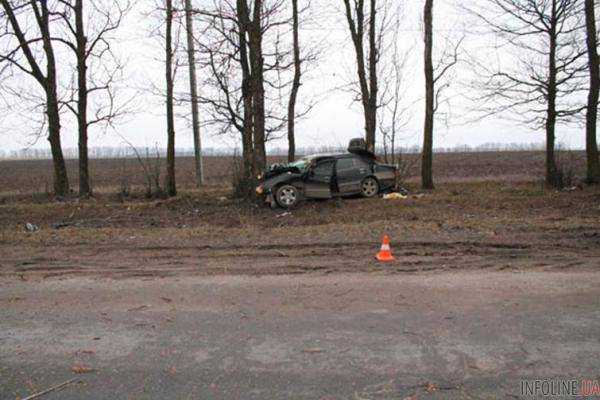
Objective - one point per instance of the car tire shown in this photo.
(287, 196)
(369, 187)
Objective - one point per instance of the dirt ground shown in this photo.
(486, 225)
(204, 296)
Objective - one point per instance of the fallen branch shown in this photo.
(51, 389)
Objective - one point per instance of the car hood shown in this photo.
(277, 169)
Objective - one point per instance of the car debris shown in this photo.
(394, 196)
(326, 176)
(31, 227)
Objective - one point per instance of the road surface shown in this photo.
(442, 335)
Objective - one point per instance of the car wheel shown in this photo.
(287, 196)
(369, 187)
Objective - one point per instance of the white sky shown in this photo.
(335, 118)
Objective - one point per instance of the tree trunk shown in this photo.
(552, 176)
(194, 93)
(61, 180)
(295, 85)
(258, 90)
(593, 163)
(427, 153)
(368, 102)
(170, 181)
(247, 132)
(371, 114)
(82, 100)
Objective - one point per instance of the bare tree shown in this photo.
(434, 88)
(427, 155)
(26, 47)
(366, 66)
(394, 102)
(91, 42)
(295, 84)
(170, 185)
(246, 68)
(194, 92)
(257, 79)
(593, 164)
(542, 79)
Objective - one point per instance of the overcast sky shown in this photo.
(335, 118)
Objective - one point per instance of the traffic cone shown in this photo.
(385, 254)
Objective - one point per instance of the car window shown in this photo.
(345, 163)
(301, 164)
(324, 168)
(360, 163)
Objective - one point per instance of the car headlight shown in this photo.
(260, 190)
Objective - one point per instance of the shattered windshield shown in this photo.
(301, 164)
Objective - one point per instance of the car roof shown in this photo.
(330, 155)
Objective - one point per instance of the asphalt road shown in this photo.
(462, 335)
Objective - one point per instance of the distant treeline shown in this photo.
(151, 152)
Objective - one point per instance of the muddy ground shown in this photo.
(472, 226)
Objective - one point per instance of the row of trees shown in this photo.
(31, 32)
(545, 76)
(252, 61)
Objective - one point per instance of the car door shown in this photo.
(350, 171)
(318, 180)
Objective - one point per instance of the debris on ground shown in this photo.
(430, 387)
(60, 225)
(50, 389)
(31, 227)
(285, 214)
(394, 196)
(313, 350)
(140, 308)
(81, 369)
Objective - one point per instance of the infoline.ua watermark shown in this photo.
(560, 388)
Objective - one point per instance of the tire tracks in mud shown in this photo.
(126, 261)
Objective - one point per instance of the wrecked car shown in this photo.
(326, 176)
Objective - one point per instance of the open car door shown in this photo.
(317, 184)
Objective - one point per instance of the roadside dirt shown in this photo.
(120, 261)
(475, 226)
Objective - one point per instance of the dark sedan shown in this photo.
(326, 176)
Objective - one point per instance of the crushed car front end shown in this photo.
(279, 174)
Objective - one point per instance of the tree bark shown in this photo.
(427, 152)
(258, 90)
(247, 134)
(170, 180)
(61, 180)
(552, 178)
(82, 100)
(593, 163)
(295, 85)
(373, 84)
(194, 93)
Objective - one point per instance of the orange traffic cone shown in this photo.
(385, 254)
